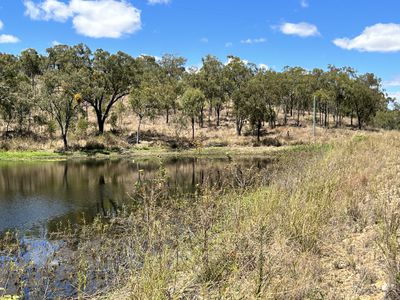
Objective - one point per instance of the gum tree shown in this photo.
(107, 79)
(192, 102)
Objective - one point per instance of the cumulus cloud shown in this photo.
(376, 38)
(92, 18)
(48, 10)
(8, 39)
(228, 44)
(301, 29)
(263, 67)
(153, 2)
(253, 41)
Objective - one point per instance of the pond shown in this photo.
(39, 197)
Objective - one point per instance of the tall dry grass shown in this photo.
(326, 228)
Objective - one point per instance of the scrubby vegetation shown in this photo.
(77, 94)
(322, 223)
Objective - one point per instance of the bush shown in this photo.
(5, 146)
(389, 119)
(271, 142)
(92, 145)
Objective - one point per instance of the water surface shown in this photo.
(37, 197)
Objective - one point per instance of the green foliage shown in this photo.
(387, 119)
(192, 103)
(82, 127)
(51, 127)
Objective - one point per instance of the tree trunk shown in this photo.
(201, 117)
(138, 131)
(167, 116)
(239, 125)
(218, 115)
(209, 116)
(193, 129)
(285, 115)
(65, 141)
(258, 131)
(100, 122)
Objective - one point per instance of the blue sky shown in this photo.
(364, 34)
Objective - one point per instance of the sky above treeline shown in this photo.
(364, 34)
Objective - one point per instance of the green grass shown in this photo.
(29, 155)
(148, 152)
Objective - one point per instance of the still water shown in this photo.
(36, 197)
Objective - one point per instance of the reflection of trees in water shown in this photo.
(105, 198)
(101, 187)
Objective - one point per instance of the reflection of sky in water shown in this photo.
(25, 212)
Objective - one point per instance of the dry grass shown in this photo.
(331, 231)
(157, 133)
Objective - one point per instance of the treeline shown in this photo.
(61, 86)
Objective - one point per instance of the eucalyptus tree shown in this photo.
(145, 97)
(173, 70)
(367, 97)
(261, 95)
(108, 78)
(211, 74)
(193, 80)
(338, 79)
(236, 75)
(9, 81)
(60, 93)
(31, 63)
(192, 102)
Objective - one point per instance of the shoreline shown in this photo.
(215, 152)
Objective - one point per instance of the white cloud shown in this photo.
(263, 66)
(204, 40)
(301, 29)
(376, 38)
(48, 10)
(8, 39)
(395, 82)
(253, 41)
(92, 18)
(153, 2)
(55, 43)
(304, 3)
(228, 44)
